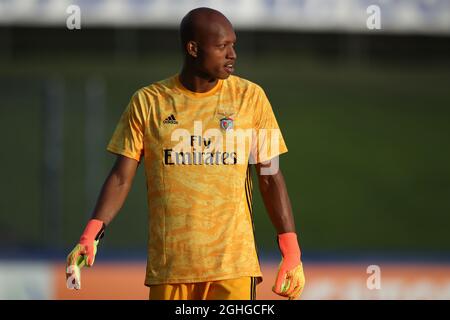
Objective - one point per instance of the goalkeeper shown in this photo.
(201, 239)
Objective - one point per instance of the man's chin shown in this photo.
(220, 75)
(224, 76)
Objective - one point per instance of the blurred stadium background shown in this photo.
(365, 114)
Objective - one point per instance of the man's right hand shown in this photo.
(290, 279)
(83, 253)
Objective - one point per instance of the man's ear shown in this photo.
(192, 48)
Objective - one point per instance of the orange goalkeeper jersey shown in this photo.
(197, 149)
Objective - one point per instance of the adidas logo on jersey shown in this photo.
(170, 119)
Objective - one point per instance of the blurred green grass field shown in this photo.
(367, 167)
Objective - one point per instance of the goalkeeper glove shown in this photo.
(290, 279)
(83, 253)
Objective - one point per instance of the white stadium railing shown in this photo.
(397, 16)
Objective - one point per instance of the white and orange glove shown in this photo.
(290, 279)
(83, 253)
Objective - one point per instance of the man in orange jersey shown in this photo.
(198, 133)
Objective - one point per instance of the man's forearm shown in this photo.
(115, 190)
(111, 199)
(290, 279)
(276, 200)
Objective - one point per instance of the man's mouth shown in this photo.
(229, 67)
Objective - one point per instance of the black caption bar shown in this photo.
(259, 309)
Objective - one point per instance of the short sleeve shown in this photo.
(267, 140)
(128, 137)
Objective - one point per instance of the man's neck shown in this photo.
(195, 82)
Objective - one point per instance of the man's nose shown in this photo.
(231, 53)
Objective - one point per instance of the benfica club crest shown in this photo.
(225, 115)
(226, 123)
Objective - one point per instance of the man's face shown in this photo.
(216, 54)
